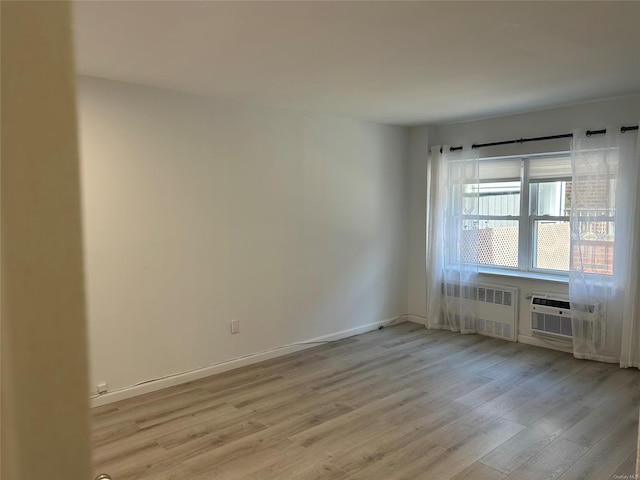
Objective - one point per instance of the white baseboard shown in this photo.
(171, 380)
(539, 342)
(416, 319)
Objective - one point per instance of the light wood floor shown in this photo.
(399, 403)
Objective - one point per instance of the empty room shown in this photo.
(320, 240)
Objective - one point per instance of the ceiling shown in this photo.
(403, 63)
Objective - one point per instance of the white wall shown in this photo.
(593, 115)
(198, 211)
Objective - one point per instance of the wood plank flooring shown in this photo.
(399, 403)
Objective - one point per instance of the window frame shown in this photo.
(527, 244)
(532, 251)
(479, 217)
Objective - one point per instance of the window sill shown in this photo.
(526, 275)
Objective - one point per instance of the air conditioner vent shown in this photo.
(551, 302)
(552, 315)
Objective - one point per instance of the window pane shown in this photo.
(593, 252)
(596, 197)
(495, 198)
(551, 245)
(551, 198)
(490, 242)
(550, 167)
(500, 169)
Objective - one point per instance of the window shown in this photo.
(491, 227)
(515, 216)
(550, 243)
(549, 209)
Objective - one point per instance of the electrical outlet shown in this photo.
(102, 388)
(235, 326)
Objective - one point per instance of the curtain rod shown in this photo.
(537, 139)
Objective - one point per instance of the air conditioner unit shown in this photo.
(552, 315)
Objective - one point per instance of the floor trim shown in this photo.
(416, 319)
(176, 379)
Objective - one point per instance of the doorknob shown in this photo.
(103, 476)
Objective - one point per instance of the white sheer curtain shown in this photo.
(605, 239)
(451, 239)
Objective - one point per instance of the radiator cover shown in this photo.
(496, 307)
